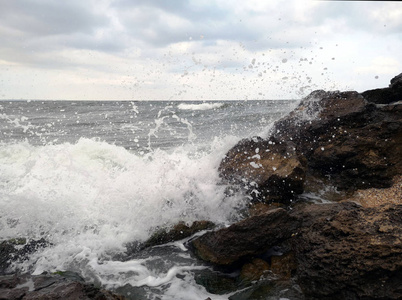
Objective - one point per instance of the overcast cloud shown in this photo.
(195, 50)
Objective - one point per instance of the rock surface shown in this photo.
(336, 135)
(49, 287)
(350, 141)
(252, 236)
(387, 95)
(178, 232)
(341, 250)
(268, 169)
(355, 143)
(350, 253)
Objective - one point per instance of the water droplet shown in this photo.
(284, 60)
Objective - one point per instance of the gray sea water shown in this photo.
(91, 177)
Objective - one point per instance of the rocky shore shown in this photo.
(345, 149)
(350, 248)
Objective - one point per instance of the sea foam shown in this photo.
(91, 198)
(202, 106)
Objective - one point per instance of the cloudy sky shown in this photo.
(195, 49)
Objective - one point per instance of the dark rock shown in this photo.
(17, 250)
(250, 237)
(348, 252)
(386, 95)
(254, 270)
(336, 135)
(355, 143)
(29, 287)
(269, 170)
(337, 251)
(178, 232)
(284, 266)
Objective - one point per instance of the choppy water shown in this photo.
(90, 177)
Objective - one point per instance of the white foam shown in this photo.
(202, 106)
(90, 198)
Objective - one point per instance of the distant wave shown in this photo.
(202, 106)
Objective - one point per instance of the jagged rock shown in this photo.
(337, 251)
(268, 169)
(354, 253)
(29, 287)
(178, 232)
(387, 95)
(330, 134)
(250, 237)
(342, 136)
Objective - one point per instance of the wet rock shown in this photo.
(393, 93)
(17, 250)
(333, 135)
(29, 287)
(178, 232)
(269, 170)
(343, 137)
(250, 237)
(336, 251)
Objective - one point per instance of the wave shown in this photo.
(202, 106)
(91, 197)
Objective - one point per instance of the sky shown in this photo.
(195, 49)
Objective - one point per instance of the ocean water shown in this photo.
(91, 177)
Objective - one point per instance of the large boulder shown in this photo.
(343, 137)
(340, 250)
(355, 253)
(336, 135)
(250, 237)
(269, 170)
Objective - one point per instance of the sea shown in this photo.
(92, 177)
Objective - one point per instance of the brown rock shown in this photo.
(269, 170)
(178, 232)
(254, 270)
(284, 266)
(342, 136)
(338, 251)
(250, 237)
(345, 251)
(376, 197)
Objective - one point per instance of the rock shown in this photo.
(178, 232)
(250, 237)
(349, 252)
(284, 266)
(343, 137)
(386, 95)
(254, 270)
(336, 251)
(376, 197)
(17, 250)
(336, 135)
(268, 170)
(29, 287)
